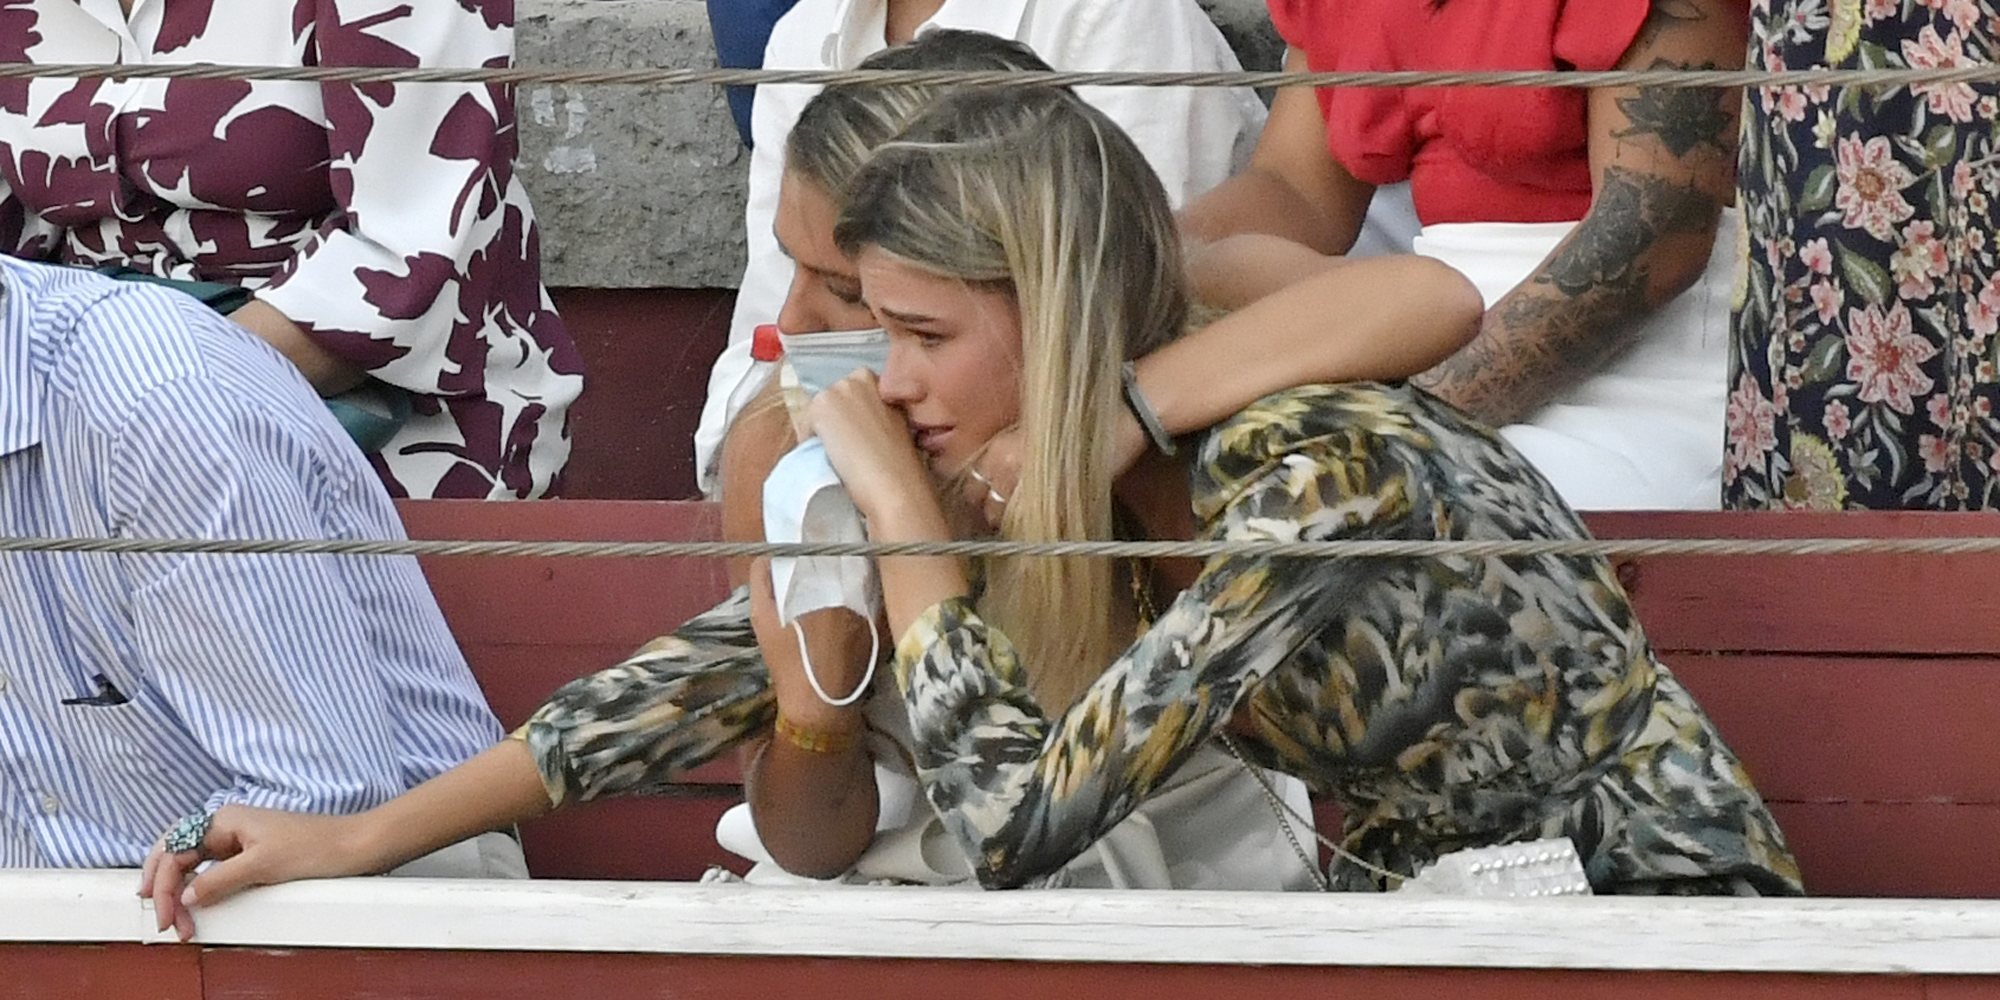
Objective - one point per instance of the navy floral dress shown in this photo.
(1862, 373)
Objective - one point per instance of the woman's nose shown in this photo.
(897, 385)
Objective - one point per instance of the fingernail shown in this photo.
(187, 896)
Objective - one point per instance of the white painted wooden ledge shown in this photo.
(1822, 935)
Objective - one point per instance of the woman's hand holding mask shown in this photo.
(869, 444)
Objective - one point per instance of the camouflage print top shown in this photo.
(1445, 702)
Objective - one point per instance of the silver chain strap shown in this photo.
(1286, 814)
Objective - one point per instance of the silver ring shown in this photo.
(991, 493)
(188, 833)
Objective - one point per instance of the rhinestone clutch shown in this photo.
(1533, 869)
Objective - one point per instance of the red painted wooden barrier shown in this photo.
(91, 972)
(233, 974)
(1900, 605)
(1863, 692)
(646, 355)
(77, 972)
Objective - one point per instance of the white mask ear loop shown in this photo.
(874, 654)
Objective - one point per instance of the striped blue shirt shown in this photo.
(137, 689)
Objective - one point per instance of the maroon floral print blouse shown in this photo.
(385, 220)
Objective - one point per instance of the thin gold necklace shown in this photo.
(1142, 594)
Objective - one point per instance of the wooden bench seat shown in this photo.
(1863, 692)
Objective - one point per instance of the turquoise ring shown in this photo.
(188, 833)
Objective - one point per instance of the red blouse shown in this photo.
(1472, 154)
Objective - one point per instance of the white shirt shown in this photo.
(1193, 137)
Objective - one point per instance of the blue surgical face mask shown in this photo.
(805, 502)
(819, 360)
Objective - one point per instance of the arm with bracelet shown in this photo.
(1277, 336)
(811, 785)
(615, 732)
(1314, 320)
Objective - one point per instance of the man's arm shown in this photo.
(814, 810)
(1293, 188)
(1662, 166)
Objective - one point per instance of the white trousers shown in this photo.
(1209, 826)
(1645, 432)
(489, 855)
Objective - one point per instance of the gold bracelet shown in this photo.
(813, 740)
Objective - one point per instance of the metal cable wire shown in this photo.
(1360, 548)
(653, 76)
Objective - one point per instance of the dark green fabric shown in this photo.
(371, 413)
(220, 296)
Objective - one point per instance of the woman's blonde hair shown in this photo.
(841, 126)
(1034, 192)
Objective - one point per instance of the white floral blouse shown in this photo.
(386, 221)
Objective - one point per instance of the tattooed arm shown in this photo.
(1662, 165)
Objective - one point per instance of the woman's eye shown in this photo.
(848, 296)
(917, 335)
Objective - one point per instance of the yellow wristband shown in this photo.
(813, 740)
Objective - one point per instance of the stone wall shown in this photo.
(643, 187)
(636, 187)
